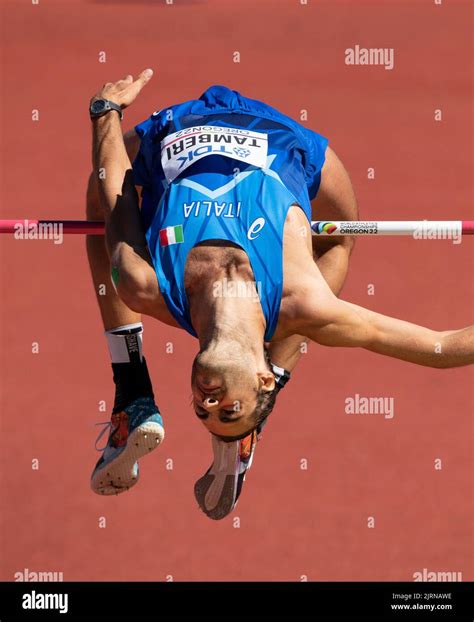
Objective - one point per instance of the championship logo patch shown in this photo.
(171, 235)
(183, 148)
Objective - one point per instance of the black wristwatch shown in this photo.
(99, 107)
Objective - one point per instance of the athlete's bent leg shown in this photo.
(136, 426)
(113, 310)
(335, 201)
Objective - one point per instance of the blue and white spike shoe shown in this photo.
(133, 433)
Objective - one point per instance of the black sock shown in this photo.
(131, 382)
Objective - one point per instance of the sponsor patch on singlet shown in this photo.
(183, 148)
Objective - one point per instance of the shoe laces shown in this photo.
(247, 446)
(107, 427)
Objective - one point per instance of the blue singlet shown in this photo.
(223, 167)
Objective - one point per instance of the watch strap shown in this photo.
(109, 106)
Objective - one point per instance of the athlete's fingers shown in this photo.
(123, 82)
(132, 89)
(124, 92)
(144, 77)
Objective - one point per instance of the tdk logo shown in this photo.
(183, 148)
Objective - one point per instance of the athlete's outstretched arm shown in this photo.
(334, 322)
(131, 264)
(113, 169)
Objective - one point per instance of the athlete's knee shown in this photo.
(131, 278)
(131, 288)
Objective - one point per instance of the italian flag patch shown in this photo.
(171, 235)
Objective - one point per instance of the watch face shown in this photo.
(98, 106)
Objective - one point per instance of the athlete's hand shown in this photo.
(124, 92)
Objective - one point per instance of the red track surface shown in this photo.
(292, 522)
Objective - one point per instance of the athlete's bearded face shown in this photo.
(225, 382)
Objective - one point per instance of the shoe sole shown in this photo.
(216, 492)
(119, 475)
(226, 502)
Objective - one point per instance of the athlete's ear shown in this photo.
(266, 381)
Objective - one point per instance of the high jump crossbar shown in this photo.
(419, 229)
